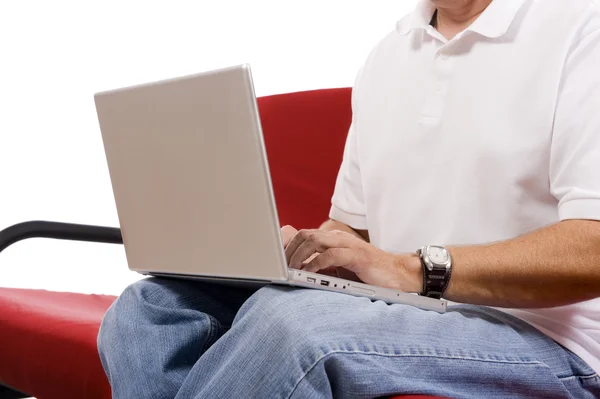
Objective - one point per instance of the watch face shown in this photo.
(438, 255)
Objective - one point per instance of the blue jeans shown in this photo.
(166, 338)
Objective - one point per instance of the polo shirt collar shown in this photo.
(493, 22)
(420, 18)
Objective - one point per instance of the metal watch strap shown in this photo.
(434, 281)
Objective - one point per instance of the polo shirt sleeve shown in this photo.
(575, 148)
(347, 203)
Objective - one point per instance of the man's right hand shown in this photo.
(289, 232)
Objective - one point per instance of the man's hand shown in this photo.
(341, 249)
(287, 233)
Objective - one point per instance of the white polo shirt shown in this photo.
(481, 138)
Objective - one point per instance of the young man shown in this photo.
(477, 126)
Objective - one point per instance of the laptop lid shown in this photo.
(190, 177)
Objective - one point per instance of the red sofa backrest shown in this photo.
(305, 134)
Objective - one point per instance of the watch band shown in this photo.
(435, 280)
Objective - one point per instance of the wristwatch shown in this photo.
(437, 268)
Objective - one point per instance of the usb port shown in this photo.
(324, 282)
(311, 280)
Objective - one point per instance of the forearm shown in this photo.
(553, 266)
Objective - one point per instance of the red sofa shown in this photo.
(48, 339)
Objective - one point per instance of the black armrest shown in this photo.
(60, 231)
(9, 393)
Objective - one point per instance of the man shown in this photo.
(476, 125)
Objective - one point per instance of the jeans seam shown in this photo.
(212, 331)
(533, 362)
(583, 377)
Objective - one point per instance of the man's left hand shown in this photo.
(340, 249)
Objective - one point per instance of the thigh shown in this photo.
(220, 301)
(359, 348)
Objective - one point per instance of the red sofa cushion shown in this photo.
(48, 339)
(48, 343)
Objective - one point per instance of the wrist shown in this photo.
(411, 273)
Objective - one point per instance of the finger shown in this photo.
(287, 233)
(296, 241)
(312, 257)
(304, 252)
(333, 257)
(315, 241)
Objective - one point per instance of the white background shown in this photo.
(54, 55)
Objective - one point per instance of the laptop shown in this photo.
(192, 188)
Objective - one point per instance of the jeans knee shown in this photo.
(109, 323)
(148, 303)
(118, 319)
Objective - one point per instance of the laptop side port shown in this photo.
(311, 280)
(324, 282)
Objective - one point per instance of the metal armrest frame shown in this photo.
(7, 392)
(59, 231)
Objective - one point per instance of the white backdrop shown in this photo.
(54, 55)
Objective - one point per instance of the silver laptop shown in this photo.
(192, 187)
